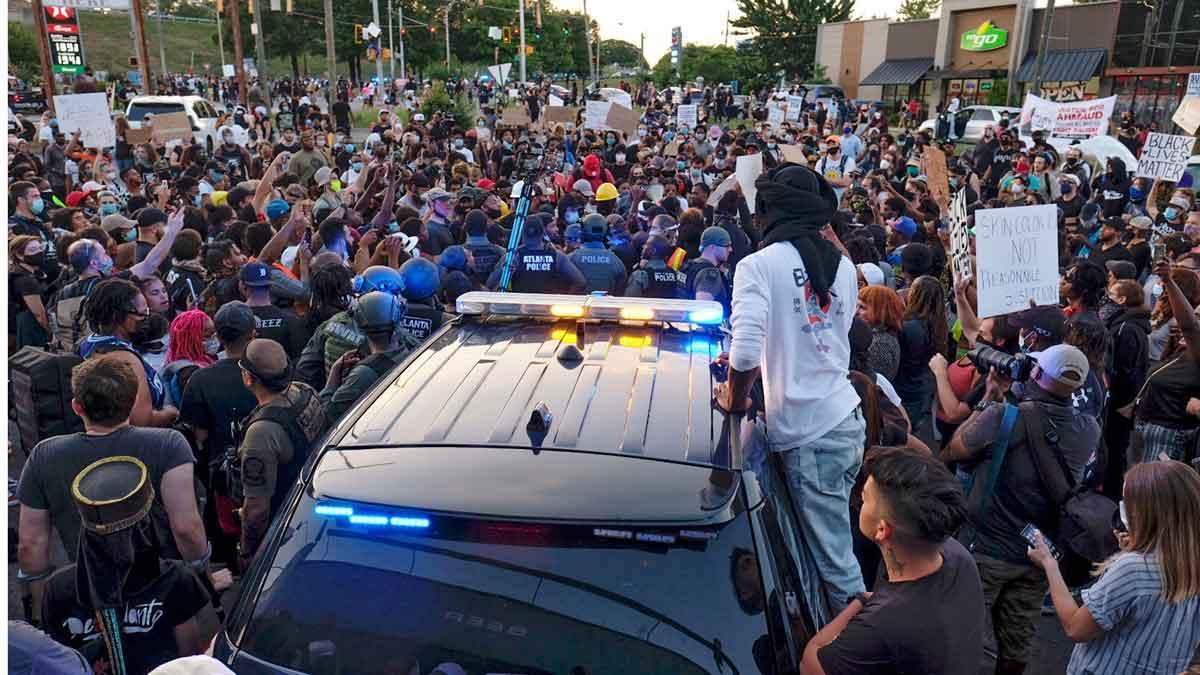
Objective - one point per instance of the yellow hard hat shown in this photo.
(219, 198)
(606, 192)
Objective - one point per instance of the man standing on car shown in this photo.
(793, 305)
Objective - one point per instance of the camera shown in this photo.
(1016, 367)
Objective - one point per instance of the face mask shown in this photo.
(570, 216)
(131, 235)
(681, 166)
(458, 142)
(1171, 213)
(393, 227)
(1065, 187)
(216, 176)
(105, 267)
(954, 183)
(913, 171)
(620, 158)
(227, 139)
(36, 259)
(442, 208)
(641, 133)
(884, 164)
(109, 209)
(508, 145)
(111, 175)
(212, 346)
(357, 166)
(196, 201)
(38, 206)
(1136, 193)
(611, 141)
(1018, 189)
(833, 150)
(1071, 161)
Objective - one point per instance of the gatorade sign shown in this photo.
(984, 39)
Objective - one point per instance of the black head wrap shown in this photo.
(796, 203)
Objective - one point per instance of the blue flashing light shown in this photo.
(410, 522)
(704, 347)
(368, 520)
(707, 316)
(329, 510)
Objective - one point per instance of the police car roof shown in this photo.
(639, 391)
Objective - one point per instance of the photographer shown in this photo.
(1003, 502)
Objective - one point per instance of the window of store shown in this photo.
(1131, 48)
(897, 96)
(1151, 98)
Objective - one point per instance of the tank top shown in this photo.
(103, 344)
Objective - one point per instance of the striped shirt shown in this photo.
(1142, 632)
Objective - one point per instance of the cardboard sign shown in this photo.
(686, 116)
(1187, 116)
(933, 165)
(1016, 258)
(621, 98)
(960, 244)
(622, 119)
(795, 105)
(793, 153)
(596, 115)
(228, 70)
(555, 100)
(1165, 156)
(775, 116)
(725, 186)
(172, 126)
(138, 136)
(672, 149)
(515, 117)
(89, 115)
(560, 115)
(1193, 88)
(749, 168)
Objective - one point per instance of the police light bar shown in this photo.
(483, 303)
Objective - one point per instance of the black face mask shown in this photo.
(494, 214)
(36, 260)
(149, 331)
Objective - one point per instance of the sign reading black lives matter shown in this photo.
(960, 244)
(1165, 156)
(1016, 256)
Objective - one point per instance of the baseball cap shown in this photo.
(74, 198)
(1178, 202)
(92, 186)
(266, 360)
(419, 117)
(277, 208)
(234, 320)
(1116, 223)
(115, 221)
(872, 273)
(486, 184)
(323, 175)
(1140, 223)
(583, 187)
(256, 274)
(437, 193)
(1046, 320)
(1064, 363)
(1090, 212)
(1121, 269)
(905, 225)
(573, 233)
(149, 217)
(715, 236)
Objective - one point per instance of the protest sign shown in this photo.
(795, 105)
(138, 136)
(515, 116)
(775, 116)
(1016, 258)
(725, 186)
(555, 100)
(960, 245)
(1193, 88)
(173, 126)
(621, 98)
(596, 115)
(89, 115)
(228, 70)
(933, 165)
(655, 192)
(1187, 116)
(622, 118)
(685, 116)
(560, 114)
(793, 153)
(1077, 119)
(672, 149)
(749, 168)
(1165, 156)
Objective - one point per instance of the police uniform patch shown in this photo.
(254, 472)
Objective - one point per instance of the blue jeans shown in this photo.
(820, 475)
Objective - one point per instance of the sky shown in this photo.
(702, 21)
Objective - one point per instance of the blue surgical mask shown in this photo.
(570, 216)
(109, 209)
(681, 166)
(212, 346)
(393, 227)
(611, 141)
(1136, 193)
(106, 267)
(197, 200)
(216, 176)
(349, 147)
(131, 235)
(357, 166)
(458, 142)
(38, 206)
(1171, 213)
(1065, 186)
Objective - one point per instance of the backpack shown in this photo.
(175, 378)
(341, 335)
(304, 421)
(40, 392)
(67, 322)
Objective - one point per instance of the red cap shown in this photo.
(75, 197)
(486, 184)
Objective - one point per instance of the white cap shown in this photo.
(192, 665)
(872, 273)
(92, 186)
(1064, 363)
(323, 175)
(418, 117)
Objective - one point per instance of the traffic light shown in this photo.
(528, 50)
(507, 35)
(358, 33)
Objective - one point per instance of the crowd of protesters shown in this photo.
(229, 305)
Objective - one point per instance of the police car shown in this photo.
(543, 487)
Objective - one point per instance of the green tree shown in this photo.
(23, 60)
(622, 53)
(714, 64)
(914, 10)
(784, 36)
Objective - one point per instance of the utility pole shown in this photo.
(39, 25)
(239, 58)
(330, 50)
(400, 7)
(446, 16)
(642, 51)
(726, 29)
(521, 12)
(391, 47)
(162, 44)
(260, 47)
(220, 40)
(379, 55)
(1040, 65)
(587, 32)
(143, 54)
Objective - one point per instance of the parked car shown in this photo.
(202, 113)
(24, 99)
(972, 120)
(1191, 173)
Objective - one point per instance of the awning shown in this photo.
(1063, 65)
(899, 71)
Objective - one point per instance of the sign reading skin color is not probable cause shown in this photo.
(1016, 258)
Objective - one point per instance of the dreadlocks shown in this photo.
(187, 338)
(109, 303)
(332, 288)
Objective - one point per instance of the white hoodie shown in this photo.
(804, 351)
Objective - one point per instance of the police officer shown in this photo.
(485, 254)
(601, 267)
(538, 268)
(275, 439)
(422, 281)
(606, 199)
(380, 317)
(704, 279)
(654, 279)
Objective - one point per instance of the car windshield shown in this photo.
(139, 110)
(507, 597)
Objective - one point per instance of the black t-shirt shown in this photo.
(1168, 390)
(148, 619)
(184, 287)
(214, 400)
(1070, 207)
(1100, 255)
(54, 463)
(1001, 163)
(1114, 195)
(1141, 254)
(282, 326)
(929, 625)
(984, 155)
(21, 284)
(293, 148)
(341, 113)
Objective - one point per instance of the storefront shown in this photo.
(1151, 98)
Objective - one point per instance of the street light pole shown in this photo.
(162, 45)
(260, 47)
(521, 12)
(221, 42)
(446, 16)
(378, 56)
(1040, 64)
(587, 34)
(400, 6)
(391, 47)
(330, 49)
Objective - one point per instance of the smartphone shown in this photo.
(1030, 534)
